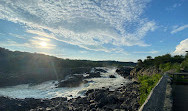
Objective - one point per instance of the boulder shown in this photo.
(124, 71)
(112, 76)
(100, 70)
(73, 81)
(93, 75)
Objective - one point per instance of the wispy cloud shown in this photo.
(146, 52)
(40, 33)
(178, 29)
(10, 43)
(88, 24)
(174, 6)
(17, 36)
(182, 47)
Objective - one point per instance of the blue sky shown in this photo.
(123, 30)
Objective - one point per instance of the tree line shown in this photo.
(166, 62)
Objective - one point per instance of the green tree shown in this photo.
(149, 57)
(140, 62)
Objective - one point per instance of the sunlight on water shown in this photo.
(49, 90)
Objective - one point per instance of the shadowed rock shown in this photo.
(124, 71)
(112, 76)
(72, 81)
(93, 75)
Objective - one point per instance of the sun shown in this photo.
(43, 44)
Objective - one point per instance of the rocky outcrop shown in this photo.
(124, 71)
(112, 76)
(76, 80)
(124, 98)
(100, 70)
(72, 81)
(144, 71)
(9, 104)
(93, 75)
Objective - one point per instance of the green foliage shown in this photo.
(184, 64)
(165, 67)
(176, 66)
(165, 62)
(168, 66)
(147, 83)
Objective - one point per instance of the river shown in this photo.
(48, 89)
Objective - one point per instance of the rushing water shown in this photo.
(49, 90)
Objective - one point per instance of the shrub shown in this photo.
(167, 66)
(184, 65)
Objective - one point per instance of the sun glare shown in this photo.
(43, 44)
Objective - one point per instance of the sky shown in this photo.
(121, 30)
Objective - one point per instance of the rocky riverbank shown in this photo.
(123, 98)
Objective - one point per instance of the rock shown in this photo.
(93, 109)
(91, 101)
(100, 70)
(124, 71)
(112, 76)
(93, 75)
(99, 96)
(73, 81)
(124, 98)
(48, 109)
(92, 105)
(85, 81)
(144, 71)
(113, 99)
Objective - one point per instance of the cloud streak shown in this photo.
(89, 24)
(146, 52)
(176, 30)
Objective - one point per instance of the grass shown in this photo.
(147, 83)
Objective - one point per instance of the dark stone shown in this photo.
(124, 71)
(125, 97)
(93, 75)
(100, 70)
(73, 81)
(112, 76)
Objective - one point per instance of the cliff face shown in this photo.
(144, 71)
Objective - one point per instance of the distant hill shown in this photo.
(23, 67)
